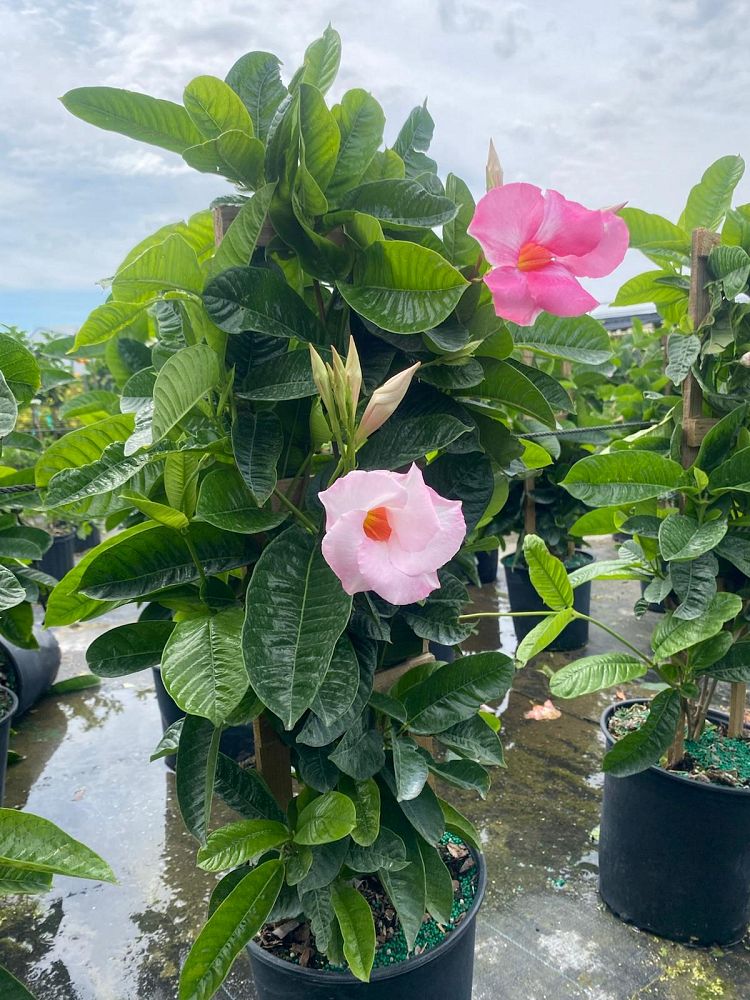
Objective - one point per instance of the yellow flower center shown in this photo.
(532, 256)
(376, 525)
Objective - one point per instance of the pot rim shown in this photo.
(683, 778)
(8, 715)
(319, 977)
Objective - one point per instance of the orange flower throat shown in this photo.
(532, 256)
(376, 524)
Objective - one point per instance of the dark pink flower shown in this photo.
(539, 243)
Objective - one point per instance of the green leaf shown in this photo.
(201, 668)
(419, 426)
(682, 538)
(197, 754)
(126, 649)
(360, 752)
(695, 584)
(8, 408)
(643, 747)
(387, 852)
(171, 265)
(474, 739)
(181, 479)
(438, 883)
(607, 569)
(321, 62)
(594, 673)
(721, 439)
(734, 474)
(238, 245)
(581, 338)
(414, 139)
(672, 635)
(215, 108)
(234, 155)
(319, 145)
(354, 917)
(169, 744)
(462, 250)
(80, 448)
(22, 881)
(360, 121)
(240, 843)
(138, 116)
(406, 887)
(35, 844)
(399, 204)
(467, 478)
(542, 634)
(11, 591)
(138, 564)
(182, 382)
(97, 401)
(732, 265)
(710, 199)
(296, 611)
(548, 575)
(234, 922)
(457, 824)
(159, 512)
(336, 694)
(733, 665)
(409, 767)
(257, 440)
(255, 298)
(505, 385)
(19, 368)
(245, 791)
(455, 691)
(436, 618)
(329, 817)
(366, 798)
(71, 685)
(622, 477)
(225, 502)
(403, 287)
(11, 988)
(647, 287)
(286, 377)
(256, 80)
(649, 229)
(466, 774)
(682, 352)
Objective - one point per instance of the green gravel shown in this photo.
(714, 752)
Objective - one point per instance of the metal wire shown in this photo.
(569, 431)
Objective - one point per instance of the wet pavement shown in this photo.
(543, 933)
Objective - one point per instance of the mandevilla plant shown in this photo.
(332, 360)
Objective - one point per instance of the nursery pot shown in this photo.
(91, 540)
(236, 742)
(523, 597)
(444, 973)
(674, 853)
(59, 557)
(8, 706)
(487, 566)
(30, 672)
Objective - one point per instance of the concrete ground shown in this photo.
(543, 933)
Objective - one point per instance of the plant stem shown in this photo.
(196, 560)
(319, 301)
(616, 635)
(506, 614)
(302, 518)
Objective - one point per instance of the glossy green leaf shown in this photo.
(22, 882)
(622, 477)
(171, 265)
(329, 817)
(409, 767)
(296, 611)
(126, 649)
(542, 634)
(643, 747)
(32, 843)
(505, 385)
(337, 692)
(255, 298)
(142, 563)
(11, 988)
(455, 691)
(215, 108)
(81, 447)
(181, 479)
(695, 584)
(8, 408)
(649, 230)
(467, 478)
(710, 199)
(19, 368)
(582, 338)
(720, 439)
(240, 843)
(245, 790)
(436, 618)
(355, 919)
(257, 441)
(321, 62)
(360, 121)
(733, 474)
(387, 852)
(234, 922)
(648, 287)
(466, 774)
(360, 753)
(403, 287)
(682, 538)
(462, 249)
(406, 886)
(238, 245)
(169, 744)
(475, 740)
(594, 673)
(366, 798)
(255, 78)
(548, 575)
(226, 502)
(185, 379)
(11, 591)
(672, 635)
(159, 512)
(195, 773)
(732, 265)
(399, 204)
(233, 154)
(438, 883)
(733, 665)
(457, 824)
(682, 352)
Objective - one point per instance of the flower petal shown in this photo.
(341, 545)
(511, 295)
(387, 580)
(362, 491)
(555, 290)
(506, 218)
(567, 227)
(444, 545)
(606, 255)
(416, 524)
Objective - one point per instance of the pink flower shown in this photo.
(384, 401)
(389, 532)
(538, 244)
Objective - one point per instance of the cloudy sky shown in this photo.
(607, 102)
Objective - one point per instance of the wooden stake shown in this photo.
(529, 506)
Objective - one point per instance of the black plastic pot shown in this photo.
(236, 742)
(444, 973)
(445, 654)
(523, 597)
(487, 566)
(6, 716)
(59, 557)
(30, 672)
(674, 853)
(89, 542)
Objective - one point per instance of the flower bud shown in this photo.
(353, 372)
(494, 169)
(745, 360)
(383, 402)
(321, 378)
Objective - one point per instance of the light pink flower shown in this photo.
(384, 401)
(389, 532)
(538, 244)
